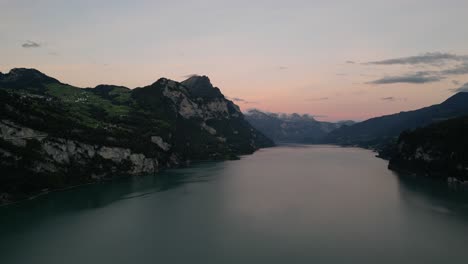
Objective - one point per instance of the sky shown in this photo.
(332, 59)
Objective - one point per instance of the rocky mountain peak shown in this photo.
(164, 82)
(200, 86)
(197, 81)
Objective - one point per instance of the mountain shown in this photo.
(293, 128)
(200, 86)
(387, 128)
(439, 151)
(54, 135)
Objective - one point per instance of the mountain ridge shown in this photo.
(389, 127)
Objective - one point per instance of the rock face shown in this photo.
(160, 142)
(437, 151)
(53, 135)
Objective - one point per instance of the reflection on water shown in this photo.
(100, 195)
(433, 195)
(290, 204)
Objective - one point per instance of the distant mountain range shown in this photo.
(432, 141)
(54, 135)
(291, 128)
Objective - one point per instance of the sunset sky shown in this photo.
(332, 59)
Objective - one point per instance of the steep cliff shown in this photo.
(53, 135)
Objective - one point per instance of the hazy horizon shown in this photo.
(335, 60)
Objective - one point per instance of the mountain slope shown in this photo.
(388, 127)
(292, 128)
(439, 150)
(54, 135)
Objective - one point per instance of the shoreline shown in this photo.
(186, 164)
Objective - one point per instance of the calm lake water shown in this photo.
(289, 204)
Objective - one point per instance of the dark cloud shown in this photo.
(415, 78)
(282, 115)
(392, 99)
(457, 70)
(318, 99)
(432, 58)
(237, 99)
(448, 64)
(30, 44)
(463, 88)
(350, 62)
(190, 75)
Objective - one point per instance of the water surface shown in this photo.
(289, 204)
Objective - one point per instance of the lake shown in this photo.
(288, 204)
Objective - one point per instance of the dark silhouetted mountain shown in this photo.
(387, 128)
(53, 135)
(439, 150)
(26, 79)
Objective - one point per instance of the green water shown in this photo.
(289, 204)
